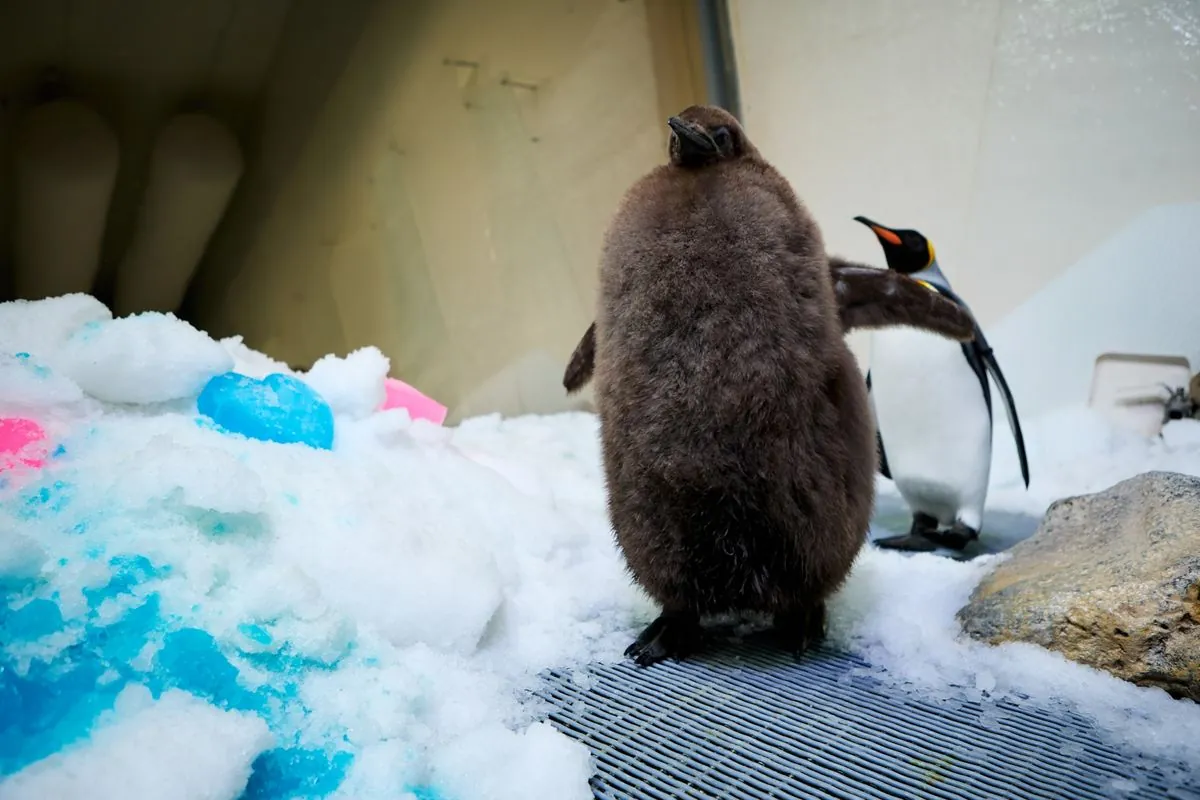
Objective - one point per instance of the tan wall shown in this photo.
(431, 177)
(449, 202)
(1031, 141)
(136, 62)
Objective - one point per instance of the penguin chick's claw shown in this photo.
(801, 630)
(880, 298)
(583, 361)
(670, 636)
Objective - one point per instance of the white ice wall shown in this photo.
(1139, 292)
(1050, 149)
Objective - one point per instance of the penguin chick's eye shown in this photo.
(723, 139)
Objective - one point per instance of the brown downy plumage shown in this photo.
(582, 362)
(881, 298)
(738, 444)
(866, 298)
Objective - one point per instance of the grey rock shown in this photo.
(1110, 579)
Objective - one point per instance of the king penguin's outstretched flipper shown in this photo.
(583, 361)
(985, 353)
(983, 361)
(883, 465)
(880, 298)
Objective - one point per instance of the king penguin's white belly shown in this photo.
(934, 423)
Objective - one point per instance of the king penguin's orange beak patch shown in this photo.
(886, 235)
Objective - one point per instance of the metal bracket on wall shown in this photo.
(507, 81)
(466, 72)
(720, 66)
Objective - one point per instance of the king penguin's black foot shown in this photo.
(801, 630)
(919, 538)
(669, 636)
(909, 542)
(957, 537)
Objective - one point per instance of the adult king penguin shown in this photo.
(933, 411)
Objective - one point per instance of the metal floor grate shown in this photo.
(752, 723)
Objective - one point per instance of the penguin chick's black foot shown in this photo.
(669, 636)
(802, 629)
(919, 538)
(956, 538)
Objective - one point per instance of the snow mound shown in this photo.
(147, 358)
(353, 385)
(356, 622)
(175, 748)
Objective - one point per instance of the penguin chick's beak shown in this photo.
(886, 235)
(694, 141)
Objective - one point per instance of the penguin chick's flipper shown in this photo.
(672, 635)
(583, 361)
(802, 629)
(879, 298)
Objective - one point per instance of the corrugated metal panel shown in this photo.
(752, 723)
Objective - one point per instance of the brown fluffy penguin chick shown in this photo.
(738, 444)
(866, 298)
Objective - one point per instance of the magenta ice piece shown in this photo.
(22, 443)
(401, 395)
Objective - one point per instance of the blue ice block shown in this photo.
(279, 408)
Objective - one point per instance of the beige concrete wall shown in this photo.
(431, 177)
(1040, 144)
(136, 62)
(448, 203)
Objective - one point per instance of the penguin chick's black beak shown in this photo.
(694, 141)
(886, 235)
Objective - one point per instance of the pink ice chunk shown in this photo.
(400, 395)
(22, 443)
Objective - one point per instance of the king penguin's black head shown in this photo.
(702, 135)
(906, 251)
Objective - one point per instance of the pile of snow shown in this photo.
(350, 623)
(192, 614)
(203, 752)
